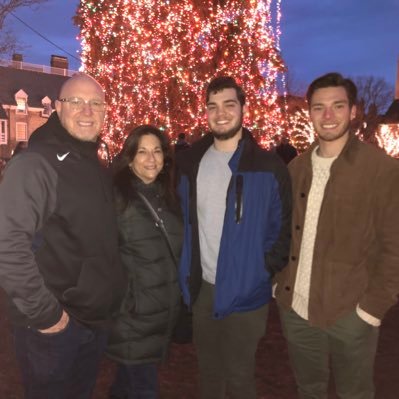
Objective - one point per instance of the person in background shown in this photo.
(285, 150)
(236, 200)
(21, 146)
(59, 260)
(141, 334)
(181, 143)
(343, 271)
(2, 167)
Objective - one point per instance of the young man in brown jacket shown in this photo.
(343, 272)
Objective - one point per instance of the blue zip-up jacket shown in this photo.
(256, 231)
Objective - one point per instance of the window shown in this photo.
(21, 133)
(21, 106)
(3, 132)
(21, 99)
(47, 110)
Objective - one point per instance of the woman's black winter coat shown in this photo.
(142, 331)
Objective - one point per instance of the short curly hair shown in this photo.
(225, 82)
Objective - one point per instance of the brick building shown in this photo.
(27, 95)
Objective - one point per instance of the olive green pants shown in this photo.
(226, 348)
(349, 346)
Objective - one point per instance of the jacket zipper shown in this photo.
(239, 202)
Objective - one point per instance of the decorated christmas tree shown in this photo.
(154, 59)
(387, 137)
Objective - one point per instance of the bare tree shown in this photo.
(374, 92)
(374, 97)
(8, 41)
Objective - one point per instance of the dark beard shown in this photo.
(346, 129)
(229, 134)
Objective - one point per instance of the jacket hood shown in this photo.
(53, 133)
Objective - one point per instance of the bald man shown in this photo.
(59, 262)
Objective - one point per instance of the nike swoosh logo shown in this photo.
(63, 156)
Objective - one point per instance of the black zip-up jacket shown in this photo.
(58, 235)
(141, 332)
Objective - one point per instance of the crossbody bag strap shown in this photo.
(159, 223)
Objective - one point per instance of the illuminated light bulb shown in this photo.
(154, 59)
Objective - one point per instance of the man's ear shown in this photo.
(58, 106)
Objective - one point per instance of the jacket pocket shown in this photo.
(344, 284)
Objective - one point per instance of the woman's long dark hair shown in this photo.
(123, 174)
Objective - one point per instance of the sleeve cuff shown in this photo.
(274, 290)
(368, 318)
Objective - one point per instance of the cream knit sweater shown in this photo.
(300, 302)
(321, 173)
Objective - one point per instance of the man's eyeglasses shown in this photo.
(77, 104)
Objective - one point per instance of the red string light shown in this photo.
(154, 59)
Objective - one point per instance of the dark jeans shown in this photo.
(138, 381)
(62, 365)
(226, 348)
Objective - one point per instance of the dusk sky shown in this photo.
(354, 37)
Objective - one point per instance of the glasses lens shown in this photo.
(96, 105)
(77, 104)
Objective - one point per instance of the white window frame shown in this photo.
(47, 110)
(21, 106)
(21, 131)
(21, 98)
(3, 132)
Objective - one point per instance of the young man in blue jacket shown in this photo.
(236, 200)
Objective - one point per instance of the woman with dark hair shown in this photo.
(150, 239)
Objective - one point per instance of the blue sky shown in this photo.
(354, 37)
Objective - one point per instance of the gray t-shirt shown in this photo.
(213, 179)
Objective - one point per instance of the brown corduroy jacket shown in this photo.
(356, 252)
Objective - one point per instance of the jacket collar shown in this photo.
(53, 133)
(201, 146)
(189, 160)
(347, 153)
